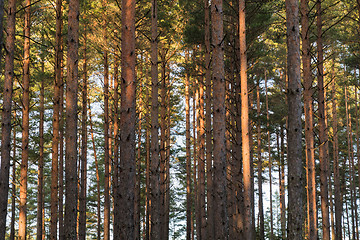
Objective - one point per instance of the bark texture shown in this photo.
(219, 183)
(25, 125)
(127, 122)
(71, 122)
(295, 165)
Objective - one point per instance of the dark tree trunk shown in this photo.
(295, 169)
(127, 123)
(71, 122)
(84, 140)
(25, 125)
(40, 195)
(56, 124)
(219, 183)
(155, 197)
(323, 136)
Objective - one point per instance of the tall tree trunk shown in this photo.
(127, 122)
(61, 162)
(25, 125)
(137, 204)
(148, 198)
(167, 167)
(295, 165)
(106, 149)
(195, 153)
(188, 154)
(56, 124)
(97, 177)
(13, 186)
(245, 133)
(282, 184)
(309, 132)
(71, 121)
(84, 141)
(208, 128)
(261, 204)
(59, 76)
(323, 136)
(40, 199)
(219, 183)
(163, 158)
(116, 143)
(270, 159)
(6, 115)
(338, 198)
(201, 161)
(155, 196)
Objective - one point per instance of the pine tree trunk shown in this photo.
(116, 144)
(61, 162)
(106, 142)
(25, 125)
(59, 71)
(84, 140)
(219, 183)
(208, 127)
(40, 199)
(56, 124)
(338, 198)
(282, 184)
(261, 204)
(127, 123)
(97, 177)
(188, 154)
(163, 158)
(71, 122)
(148, 198)
(195, 153)
(323, 136)
(309, 132)
(248, 224)
(270, 159)
(295, 165)
(137, 199)
(155, 196)
(13, 186)
(201, 161)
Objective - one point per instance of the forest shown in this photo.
(180, 119)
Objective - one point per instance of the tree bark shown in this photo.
(40, 195)
(127, 122)
(323, 136)
(201, 161)
(71, 122)
(56, 124)
(116, 143)
(219, 183)
(97, 177)
(261, 204)
(282, 184)
(295, 165)
(25, 125)
(155, 158)
(309, 132)
(245, 133)
(106, 136)
(208, 127)
(84, 141)
(13, 186)
(188, 154)
(338, 198)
